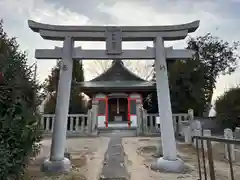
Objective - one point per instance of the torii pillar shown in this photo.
(57, 162)
(169, 162)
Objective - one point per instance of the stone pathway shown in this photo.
(114, 166)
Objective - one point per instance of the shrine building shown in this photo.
(117, 92)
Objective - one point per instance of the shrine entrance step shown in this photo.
(117, 132)
(117, 124)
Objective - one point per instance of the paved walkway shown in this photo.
(114, 167)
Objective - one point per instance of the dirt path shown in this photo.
(87, 156)
(140, 153)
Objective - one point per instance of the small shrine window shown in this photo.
(114, 45)
(133, 109)
(113, 36)
(102, 107)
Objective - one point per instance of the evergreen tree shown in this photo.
(216, 57)
(228, 108)
(192, 82)
(19, 120)
(76, 104)
(186, 79)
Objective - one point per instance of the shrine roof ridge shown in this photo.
(190, 27)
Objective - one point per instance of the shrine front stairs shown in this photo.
(118, 131)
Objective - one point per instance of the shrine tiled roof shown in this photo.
(117, 72)
(117, 84)
(117, 77)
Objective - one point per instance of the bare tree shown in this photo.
(141, 68)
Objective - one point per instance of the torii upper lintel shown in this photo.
(129, 33)
(190, 27)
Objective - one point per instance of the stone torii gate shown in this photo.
(113, 35)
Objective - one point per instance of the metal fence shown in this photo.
(205, 153)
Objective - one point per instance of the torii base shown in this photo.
(62, 166)
(164, 165)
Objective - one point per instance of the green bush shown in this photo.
(228, 108)
(19, 133)
(19, 121)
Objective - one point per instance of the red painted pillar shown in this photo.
(106, 112)
(141, 99)
(129, 110)
(1, 78)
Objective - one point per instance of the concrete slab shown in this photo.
(114, 167)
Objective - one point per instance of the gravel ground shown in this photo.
(139, 163)
(139, 153)
(87, 156)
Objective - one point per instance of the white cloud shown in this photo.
(137, 14)
(39, 11)
(219, 17)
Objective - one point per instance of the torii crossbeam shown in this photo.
(146, 54)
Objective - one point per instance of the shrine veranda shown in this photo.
(116, 94)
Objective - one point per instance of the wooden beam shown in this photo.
(78, 53)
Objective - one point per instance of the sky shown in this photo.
(220, 17)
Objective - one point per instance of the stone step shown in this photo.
(116, 128)
(118, 132)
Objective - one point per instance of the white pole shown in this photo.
(35, 71)
(164, 104)
(63, 97)
(117, 105)
(169, 161)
